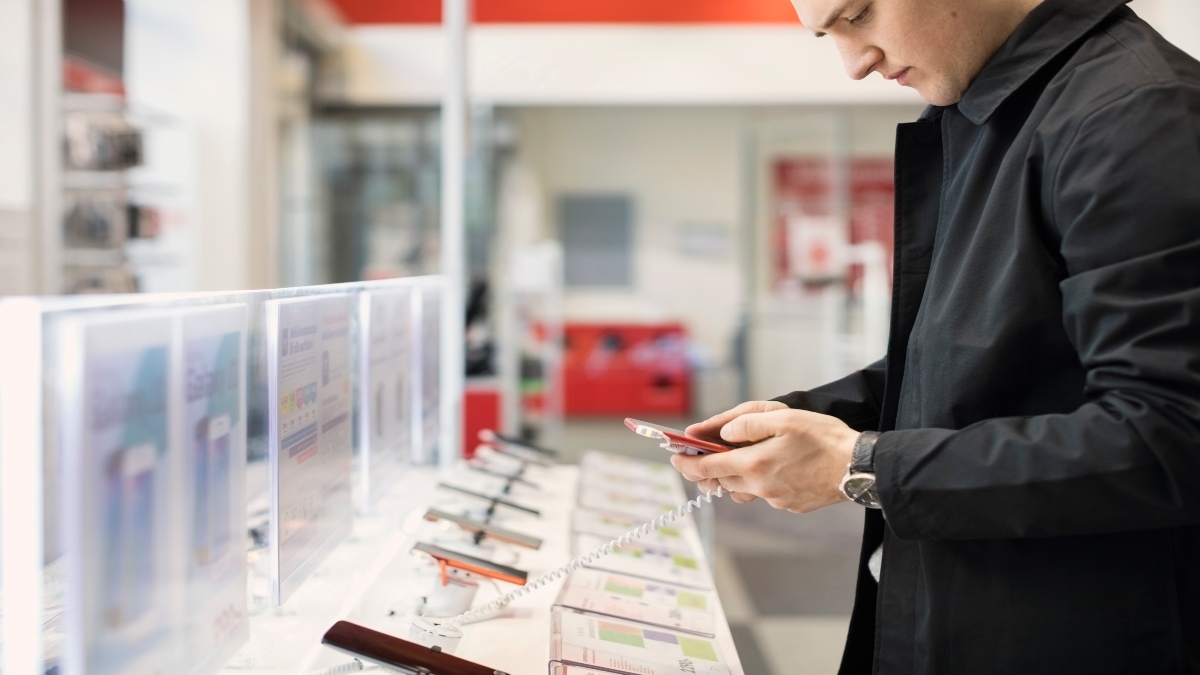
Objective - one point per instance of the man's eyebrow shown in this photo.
(833, 18)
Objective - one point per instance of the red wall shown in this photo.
(576, 11)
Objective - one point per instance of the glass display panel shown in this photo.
(431, 368)
(385, 395)
(119, 470)
(214, 471)
(310, 397)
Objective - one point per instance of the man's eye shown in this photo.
(860, 17)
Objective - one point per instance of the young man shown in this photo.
(1033, 434)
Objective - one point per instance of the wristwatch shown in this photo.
(859, 482)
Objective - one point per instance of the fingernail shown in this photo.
(725, 433)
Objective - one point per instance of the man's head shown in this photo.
(934, 46)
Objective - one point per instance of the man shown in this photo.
(1034, 430)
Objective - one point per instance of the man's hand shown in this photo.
(796, 461)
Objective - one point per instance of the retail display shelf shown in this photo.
(374, 579)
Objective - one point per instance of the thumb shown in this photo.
(711, 427)
(751, 428)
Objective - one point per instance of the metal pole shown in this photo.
(454, 130)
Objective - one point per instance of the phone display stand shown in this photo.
(682, 449)
(430, 634)
(452, 593)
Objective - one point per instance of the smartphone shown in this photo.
(678, 441)
(486, 529)
(497, 500)
(489, 436)
(520, 453)
(469, 563)
(478, 467)
(388, 650)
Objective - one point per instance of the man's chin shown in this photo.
(939, 96)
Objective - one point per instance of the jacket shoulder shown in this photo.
(1123, 55)
(1127, 69)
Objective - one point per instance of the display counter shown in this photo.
(375, 579)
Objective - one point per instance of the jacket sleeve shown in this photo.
(854, 399)
(1126, 211)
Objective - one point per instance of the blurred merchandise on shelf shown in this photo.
(626, 369)
(528, 318)
(83, 280)
(481, 343)
(96, 219)
(101, 140)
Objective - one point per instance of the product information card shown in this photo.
(650, 602)
(618, 646)
(311, 436)
(646, 561)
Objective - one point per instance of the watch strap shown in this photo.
(863, 459)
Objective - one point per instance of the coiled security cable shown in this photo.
(592, 556)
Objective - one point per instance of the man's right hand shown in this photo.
(711, 428)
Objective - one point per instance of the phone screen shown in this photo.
(677, 438)
(492, 531)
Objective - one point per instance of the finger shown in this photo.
(716, 465)
(711, 427)
(708, 485)
(733, 484)
(742, 497)
(753, 427)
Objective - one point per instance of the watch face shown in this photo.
(860, 488)
(857, 485)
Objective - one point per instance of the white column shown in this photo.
(453, 249)
(18, 240)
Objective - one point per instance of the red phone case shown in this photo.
(680, 438)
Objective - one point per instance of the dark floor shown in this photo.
(786, 580)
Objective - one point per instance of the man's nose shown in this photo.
(859, 59)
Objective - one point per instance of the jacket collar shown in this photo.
(1049, 29)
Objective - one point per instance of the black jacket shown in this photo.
(1040, 400)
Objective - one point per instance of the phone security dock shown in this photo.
(428, 632)
(452, 593)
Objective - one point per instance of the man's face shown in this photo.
(934, 46)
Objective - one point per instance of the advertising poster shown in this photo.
(309, 380)
(117, 502)
(385, 391)
(214, 470)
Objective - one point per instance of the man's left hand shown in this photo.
(796, 462)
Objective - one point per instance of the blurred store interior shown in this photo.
(667, 208)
